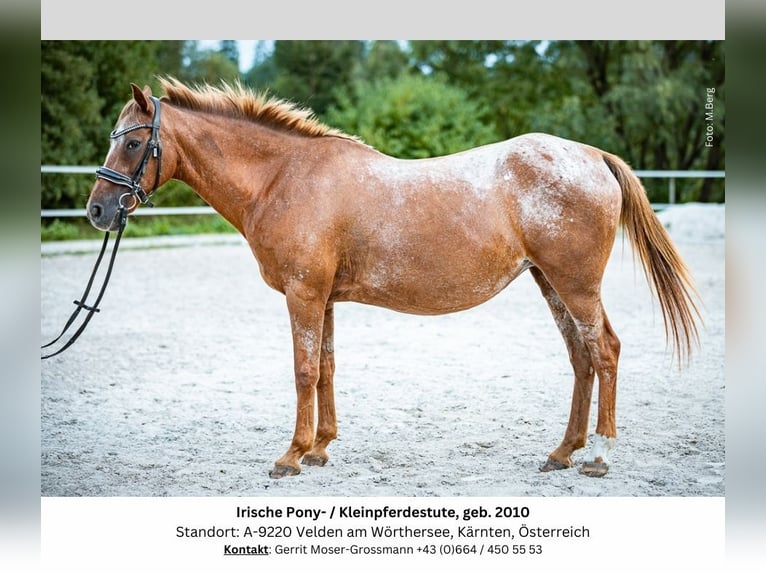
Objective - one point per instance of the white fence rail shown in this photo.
(670, 175)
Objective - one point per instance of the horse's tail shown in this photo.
(666, 272)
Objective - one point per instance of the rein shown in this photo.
(122, 214)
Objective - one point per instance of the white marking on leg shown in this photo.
(601, 447)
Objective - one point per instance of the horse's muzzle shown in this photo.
(102, 216)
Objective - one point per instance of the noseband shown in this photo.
(153, 149)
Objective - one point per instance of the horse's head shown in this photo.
(133, 163)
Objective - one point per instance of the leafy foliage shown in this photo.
(84, 86)
(314, 72)
(412, 117)
(68, 113)
(208, 66)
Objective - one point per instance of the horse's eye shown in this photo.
(132, 145)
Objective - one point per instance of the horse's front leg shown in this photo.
(307, 311)
(327, 425)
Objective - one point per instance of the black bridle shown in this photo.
(153, 149)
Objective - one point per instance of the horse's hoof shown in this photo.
(280, 471)
(594, 469)
(314, 460)
(552, 464)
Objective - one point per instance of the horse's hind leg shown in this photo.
(577, 430)
(591, 342)
(327, 425)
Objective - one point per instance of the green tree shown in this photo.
(169, 56)
(84, 85)
(384, 59)
(264, 71)
(510, 79)
(230, 51)
(314, 73)
(70, 107)
(412, 117)
(207, 66)
(655, 93)
(464, 62)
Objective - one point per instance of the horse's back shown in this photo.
(534, 190)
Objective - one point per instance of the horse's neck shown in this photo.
(218, 160)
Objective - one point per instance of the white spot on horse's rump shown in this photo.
(551, 170)
(540, 208)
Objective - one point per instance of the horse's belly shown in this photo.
(431, 287)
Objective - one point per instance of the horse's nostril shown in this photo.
(95, 210)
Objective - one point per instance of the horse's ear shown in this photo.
(141, 96)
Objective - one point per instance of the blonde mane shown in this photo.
(241, 102)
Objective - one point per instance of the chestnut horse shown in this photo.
(331, 219)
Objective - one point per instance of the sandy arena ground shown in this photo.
(182, 385)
